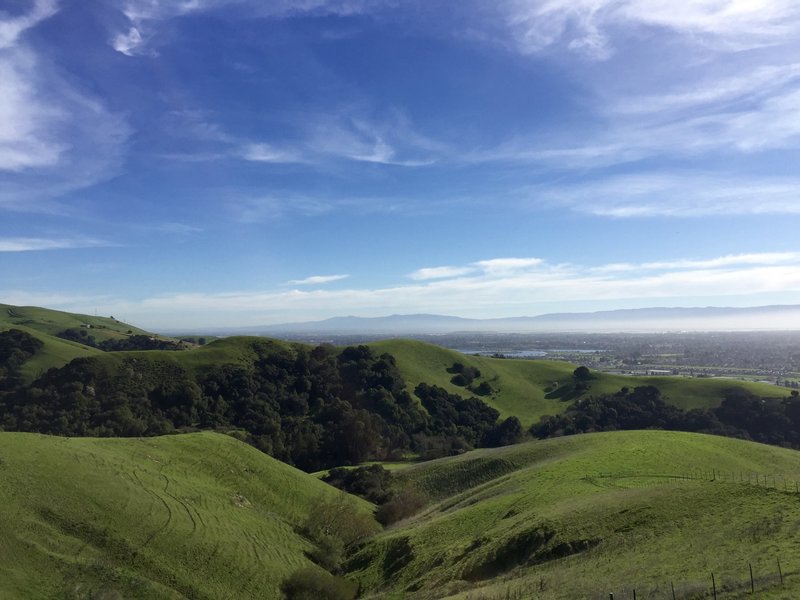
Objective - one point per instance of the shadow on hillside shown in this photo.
(565, 393)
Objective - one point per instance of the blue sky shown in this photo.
(231, 162)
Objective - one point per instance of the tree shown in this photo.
(582, 374)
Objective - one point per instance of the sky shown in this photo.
(198, 163)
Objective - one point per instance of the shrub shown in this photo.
(403, 504)
(312, 584)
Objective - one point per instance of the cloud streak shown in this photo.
(27, 244)
(317, 279)
(532, 288)
(672, 195)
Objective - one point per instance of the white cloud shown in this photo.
(533, 290)
(26, 244)
(589, 26)
(508, 265)
(144, 15)
(318, 279)
(427, 273)
(130, 43)
(673, 195)
(54, 138)
(267, 153)
(11, 28)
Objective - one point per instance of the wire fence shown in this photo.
(738, 581)
(745, 580)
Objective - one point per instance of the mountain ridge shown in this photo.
(709, 318)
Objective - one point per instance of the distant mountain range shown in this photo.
(785, 317)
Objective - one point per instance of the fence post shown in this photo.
(752, 583)
(714, 586)
(780, 572)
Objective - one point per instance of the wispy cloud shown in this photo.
(757, 258)
(530, 289)
(25, 244)
(428, 273)
(54, 137)
(588, 26)
(145, 15)
(317, 279)
(12, 27)
(672, 195)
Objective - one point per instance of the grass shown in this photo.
(584, 516)
(529, 389)
(51, 322)
(44, 324)
(196, 515)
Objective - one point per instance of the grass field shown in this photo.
(584, 516)
(532, 388)
(189, 516)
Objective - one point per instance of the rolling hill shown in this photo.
(191, 516)
(44, 324)
(529, 389)
(585, 516)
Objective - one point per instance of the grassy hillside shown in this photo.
(198, 516)
(44, 324)
(54, 353)
(532, 388)
(52, 322)
(583, 516)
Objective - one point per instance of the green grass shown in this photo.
(44, 324)
(197, 515)
(583, 516)
(52, 322)
(528, 390)
(54, 352)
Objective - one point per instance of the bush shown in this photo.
(402, 505)
(312, 584)
(333, 526)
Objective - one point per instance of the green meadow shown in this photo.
(589, 515)
(187, 516)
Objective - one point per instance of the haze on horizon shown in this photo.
(233, 162)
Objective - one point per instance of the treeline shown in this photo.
(314, 407)
(740, 415)
(131, 342)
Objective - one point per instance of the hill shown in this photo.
(191, 516)
(45, 324)
(584, 516)
(529, 389)
(52, 322)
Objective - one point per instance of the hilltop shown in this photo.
(45, 325)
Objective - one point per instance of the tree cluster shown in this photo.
(314, 407)
(131, 342)
(741, 415)
(16, 347)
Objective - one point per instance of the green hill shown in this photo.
(529, 389)
(44, 324)
(51, 322)
(584, 516)
(190, 516)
